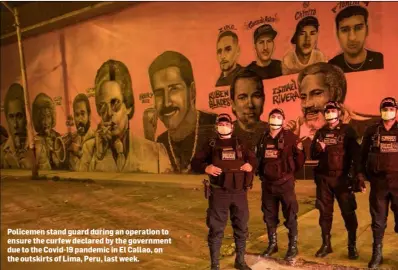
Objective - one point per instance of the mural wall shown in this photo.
(139, 91)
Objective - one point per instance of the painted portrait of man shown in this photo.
(49, 154)
(174, 89)
(265, 66)
(248, 97)
(352, 30)
(117, 149)
(305, 53)
(84, 133)
(15, 153)
(318, 84)
(228, 51)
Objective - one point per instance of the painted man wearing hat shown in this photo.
(352, 30)
(336, 148)
(305, 38)
(379, 164)
(230, 166)
(265, 66)
(279, 155)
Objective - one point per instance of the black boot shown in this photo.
(292, 250)
(214, 256)
(272, 245)
(377, 256)
(326, 247)
(240, 261)
(352, 249)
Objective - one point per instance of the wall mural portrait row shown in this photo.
(175, 111)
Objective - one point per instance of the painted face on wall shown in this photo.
(173, 98)
(227, 53)
(264, 48)
(112, 108)
(352, 34)
(16, 119)
(248, 101)
(82, 118)
(46, 120)
(306, 40)
(314, 95)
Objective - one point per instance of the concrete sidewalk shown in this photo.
(310, 240)
(309, 230)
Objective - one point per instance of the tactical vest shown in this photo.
(229, 159)
(383, 154)
(276, 161)
(335, 151)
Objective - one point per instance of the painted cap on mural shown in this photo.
(223, 117)
(306, 21)
(331, 105)
(388, 102)
(277, 110)
(265, 29)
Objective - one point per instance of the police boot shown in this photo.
(292, 250)
(272, 245)
(214, 254)
(240, 261)
(352, 249)
(377, 256)
(326, 247)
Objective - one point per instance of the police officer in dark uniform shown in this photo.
(335, 146)
(379, 164)
(230, 166)
(280, 155)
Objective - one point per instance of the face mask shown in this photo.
(275, 123)
(224, 130)
(331, 117)
(389, 115)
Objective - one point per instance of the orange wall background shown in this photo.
(137, 35)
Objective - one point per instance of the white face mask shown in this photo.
(331, 117)
(388, 115)
(275, 123)
(224, 130)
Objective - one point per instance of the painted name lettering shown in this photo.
(266, 19)
(304, 13)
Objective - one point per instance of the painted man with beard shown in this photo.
(247, 95)
(15, 153)
(265, 66)
(188, 129)
(305, 38)
(44, 119)
(352, 30)
(318, 84)
(228, 51)
(83, 135)
(116, 148)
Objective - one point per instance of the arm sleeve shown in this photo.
(315, 149)
(365, 147)
(353, 148)
(201, 159)
(299, 155)
(251, 158)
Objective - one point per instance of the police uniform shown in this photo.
(379, 163)
(279, 158)
(228, 193)
(333, 180)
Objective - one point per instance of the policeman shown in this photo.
(379, 164)
(279, 155)
(335, 146)
(230, 166)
